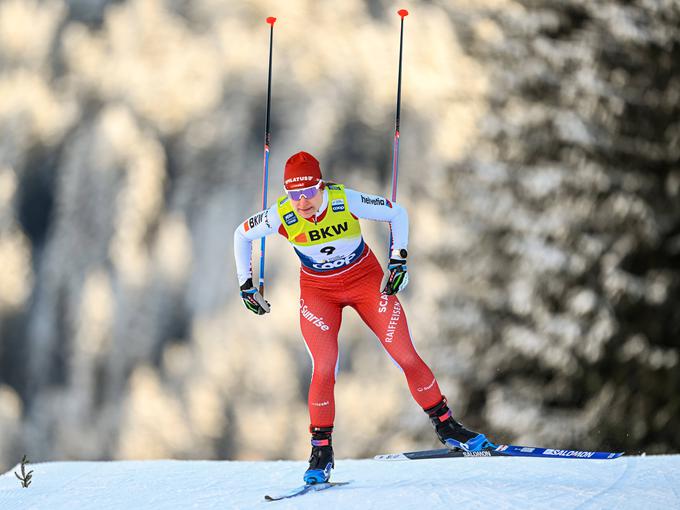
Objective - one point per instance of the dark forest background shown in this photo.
(540, 164)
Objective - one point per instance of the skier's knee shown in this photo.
(324, 374)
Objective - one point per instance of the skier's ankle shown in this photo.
(321, 436)
(440, 412)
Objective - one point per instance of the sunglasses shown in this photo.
(307, 193)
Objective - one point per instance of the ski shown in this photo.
(441, 453)
(554, 453)
(304, 489)
(504, 450)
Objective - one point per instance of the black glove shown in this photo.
(253, 299)
(398, 277)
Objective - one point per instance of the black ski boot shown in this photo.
(453, 434)
(321, 460)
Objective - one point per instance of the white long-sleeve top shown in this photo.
(361, 205)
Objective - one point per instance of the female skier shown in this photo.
(321, 220)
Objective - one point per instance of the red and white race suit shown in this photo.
(338, 269)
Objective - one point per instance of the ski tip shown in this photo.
(304, 489)
(403, 13)
(391, 456)
(271, 20)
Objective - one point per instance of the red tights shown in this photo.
(321, 302)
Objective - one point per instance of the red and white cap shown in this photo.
(302, 171)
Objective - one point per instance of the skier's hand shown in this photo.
(253, 299)
(398, 277)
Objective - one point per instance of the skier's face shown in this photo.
(308, 207)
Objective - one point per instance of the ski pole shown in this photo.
(267, 139)
(395, 149)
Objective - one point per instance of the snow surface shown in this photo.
(498, 483)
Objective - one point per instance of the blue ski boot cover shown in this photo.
(321, 460)
(452, 434)
(476, 444)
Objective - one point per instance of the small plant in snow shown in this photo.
(25, 477)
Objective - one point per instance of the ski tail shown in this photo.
(442, 453)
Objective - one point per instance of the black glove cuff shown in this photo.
(247, 285)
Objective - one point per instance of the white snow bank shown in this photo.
(498, 483)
